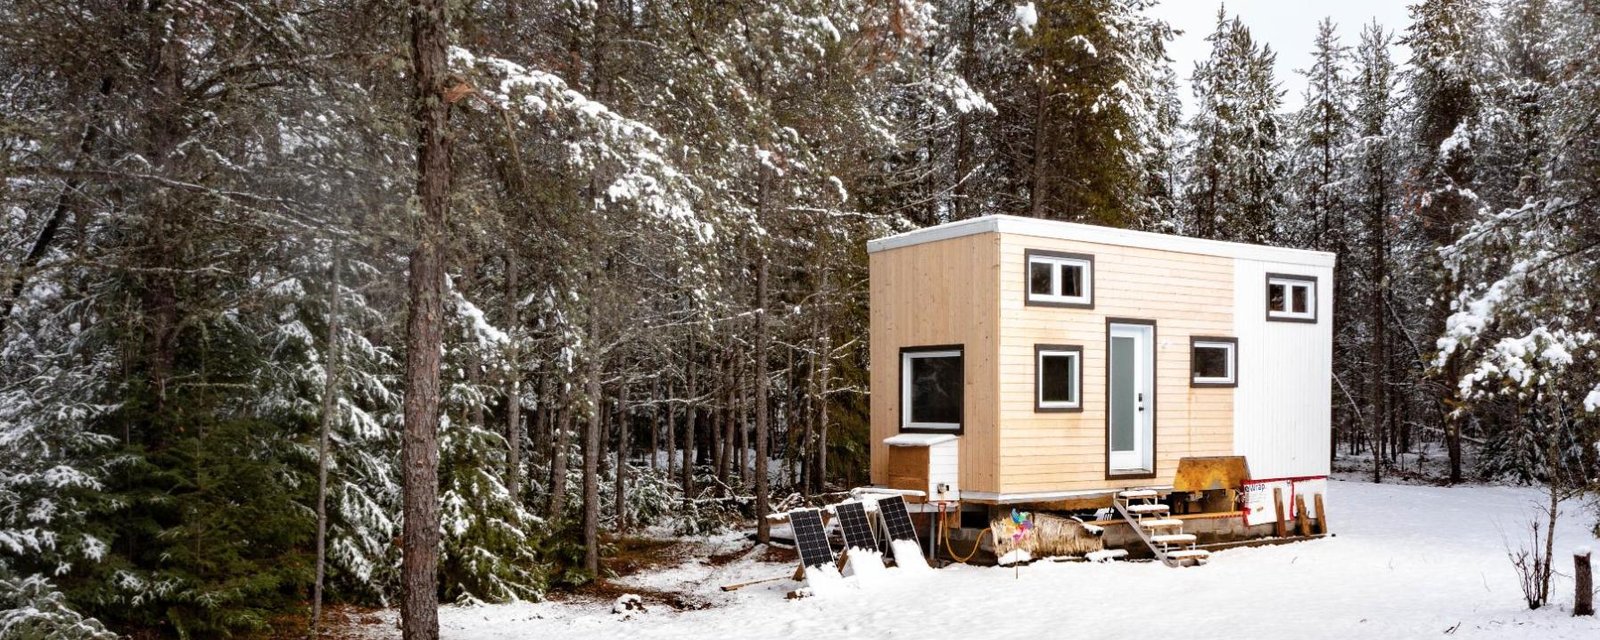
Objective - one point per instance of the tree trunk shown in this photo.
(689, 411)
(671, 435)
(514, 388)
(1583, 579)
(822, 410)
(655, 424)
(591, 467)
(763, 527)
(330, 390)
(558, 458)
(419, 606)
(622, 458)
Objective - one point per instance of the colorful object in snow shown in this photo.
(1020, 526)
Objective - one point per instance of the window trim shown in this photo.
(943, 350)
(1290, 280)
(1039, 352)
(1195, 342)
(1085, 301)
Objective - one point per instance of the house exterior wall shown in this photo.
(938, 293)
(1282, 425)
(1185, 294)
(963, 283)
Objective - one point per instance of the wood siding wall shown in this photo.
(1185, 294)
(938, 293)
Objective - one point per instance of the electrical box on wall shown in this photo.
(925, 462)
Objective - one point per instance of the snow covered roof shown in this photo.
(918, 439)
(1099, 235)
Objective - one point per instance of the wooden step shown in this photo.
(1173, 538)
(1139, 493)
(1189, 553)
(1159, 523)
(1146, 508)
(1106, 555)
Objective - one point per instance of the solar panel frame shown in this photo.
(809, 538)
(855, 527)
(897, 520)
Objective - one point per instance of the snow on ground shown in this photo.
(1406, 562)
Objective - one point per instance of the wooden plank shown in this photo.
(1277, 508)
(1322, 516)
(1302, 520)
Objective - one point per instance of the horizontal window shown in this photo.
(931, 382)
(1214, 362)
(1058, 378)
(1060, 279)
(1291, 298)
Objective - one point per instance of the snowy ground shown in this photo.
(1407, 562)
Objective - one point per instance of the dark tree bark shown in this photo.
(763, 528)
(591, 468)
(558, 458)
(671, 436)
(513, 388)
(419, 605)
(330, 390)
(690, 408)
(1583, 580)
(622, 458)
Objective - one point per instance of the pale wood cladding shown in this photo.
(969, 291)
(937, 293)
(1186, 294)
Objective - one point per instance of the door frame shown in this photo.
(1112, 474)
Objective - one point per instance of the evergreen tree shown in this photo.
(1234, 164)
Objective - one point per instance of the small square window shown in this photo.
(1214, 362)
(1060, 279)
(1058, 378)
(931, 389)
(1291, 298)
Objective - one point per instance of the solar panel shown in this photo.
(853, 522)
(896, 520)
(809, 538)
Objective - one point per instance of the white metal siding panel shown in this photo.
(943, 461)
(1283, 405)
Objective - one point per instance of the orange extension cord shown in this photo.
(944, 530)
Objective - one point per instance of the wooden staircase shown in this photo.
(1163, 534)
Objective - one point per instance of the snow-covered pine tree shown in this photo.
(1446, 41)
(1234, 164)
(1373, 192)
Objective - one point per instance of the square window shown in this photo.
(931, 386)
(1214, 362)
(1072, 280)
(1041, 278)
(1058, 378)
(1060, 279)
(1291, 298)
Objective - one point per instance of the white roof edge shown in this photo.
(1099, 235)
(1045, 496)
(918, 439)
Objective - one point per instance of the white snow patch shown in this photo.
(1014, 556)
(1027, 16)
(908, 556)
(865, 565)
(1361, 583)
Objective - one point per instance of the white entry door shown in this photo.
(1131, 398)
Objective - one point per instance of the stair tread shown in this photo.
(1147, 508)
(1106, 555)
(1163, 522)
(1189, 553)
(1173, 537)
(1139, 493)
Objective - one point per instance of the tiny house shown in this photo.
(1049, 363)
